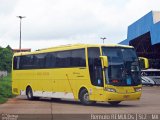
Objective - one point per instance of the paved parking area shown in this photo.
(149, 103)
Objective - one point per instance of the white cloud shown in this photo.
(54, 22)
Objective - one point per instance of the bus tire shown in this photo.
(55, 99)
(29, 93)
(114, 102)
(84, 97)
(36, 98)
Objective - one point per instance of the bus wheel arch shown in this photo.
(80, 91)
(83, 96)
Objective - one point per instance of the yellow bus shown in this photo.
(85, 72)
(144, 62)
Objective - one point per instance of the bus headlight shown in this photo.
(138, 89)
(110, 89)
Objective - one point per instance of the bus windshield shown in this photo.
(123, 69)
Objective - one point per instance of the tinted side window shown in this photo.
(78, 58)
(63, 59)
(50, 60)
(39, 60)
(27, 62)
(32, 61)
(16, 61)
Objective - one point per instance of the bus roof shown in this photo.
(70, 46)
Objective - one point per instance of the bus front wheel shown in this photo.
(84, 97)
(114, 102)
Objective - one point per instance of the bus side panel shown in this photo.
(15, 84)
(69, 80)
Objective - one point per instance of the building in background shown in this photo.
(22, 50)
(144, 35)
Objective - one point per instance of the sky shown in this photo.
(59, 22)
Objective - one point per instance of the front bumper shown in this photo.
(112, 96)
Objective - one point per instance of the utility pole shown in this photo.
(20, 17)
(103, 38)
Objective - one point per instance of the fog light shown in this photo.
(110, 89)
(138, 89)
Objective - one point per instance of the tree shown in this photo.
(6, 58)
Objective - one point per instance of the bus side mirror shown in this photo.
(144, 62)
(104, 61)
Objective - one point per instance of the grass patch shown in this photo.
(5, 88)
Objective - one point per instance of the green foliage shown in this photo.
(5, 88)
(6, 58)
(2, 99)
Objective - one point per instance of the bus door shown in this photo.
(95, 71)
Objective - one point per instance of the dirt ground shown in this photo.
(148, 104)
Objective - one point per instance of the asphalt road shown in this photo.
(149, 103)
